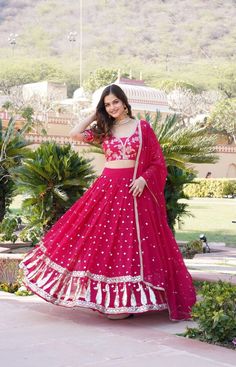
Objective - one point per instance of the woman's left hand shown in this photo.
(137, 186)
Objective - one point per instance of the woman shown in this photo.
(113, 251)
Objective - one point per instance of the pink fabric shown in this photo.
(121, 148)
(88, 136)
(163, 262)
(112, 252)
(90, 257)
(117, 148)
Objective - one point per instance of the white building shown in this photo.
(141, 97)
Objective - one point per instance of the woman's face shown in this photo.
(114, 107)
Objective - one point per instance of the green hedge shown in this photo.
(211, 187)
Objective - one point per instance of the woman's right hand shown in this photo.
(137, 186)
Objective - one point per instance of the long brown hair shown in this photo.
(104, 121)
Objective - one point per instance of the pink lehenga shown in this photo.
(110, 251)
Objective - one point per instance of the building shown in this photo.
(225, 167)
(142, 98)
(45, 90)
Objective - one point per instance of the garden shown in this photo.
(39, 186)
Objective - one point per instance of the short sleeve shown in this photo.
(88, 136)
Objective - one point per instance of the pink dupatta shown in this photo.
(171, 274)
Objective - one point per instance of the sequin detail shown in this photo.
(69, 291)
(100, 255)
(121, 148)
(116, 148)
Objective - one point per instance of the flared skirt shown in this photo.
(112, 253)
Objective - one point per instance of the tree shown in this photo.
(14, 74)
(13, 147)
(189, 104)
(34, 108)
(21, 72)
(184, 145)
(228, 82)
(223, 118)
(181, 146)
(169, 85)
(100, 78)
(53, 179)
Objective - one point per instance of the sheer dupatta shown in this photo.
(151, 164)
(162, 263)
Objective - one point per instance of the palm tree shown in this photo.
(184, 145)
(13, 147)
(53, 179)
(181, 146)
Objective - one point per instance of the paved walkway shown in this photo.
(216, 265)
(35, 333)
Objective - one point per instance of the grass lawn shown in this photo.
(213, 217)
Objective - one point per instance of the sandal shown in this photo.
(120, 316)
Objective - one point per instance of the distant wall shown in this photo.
(58, 128)
(225, 167)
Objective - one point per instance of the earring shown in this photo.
(126, 110)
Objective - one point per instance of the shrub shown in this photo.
(23, 291)
(31, 233)
(211, 187)
(9, 287)
(191, 248)
(52, 179)
(7, 229)
(229, 188)
(215, 313)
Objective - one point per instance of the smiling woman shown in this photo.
(114, 107)
(113, 251)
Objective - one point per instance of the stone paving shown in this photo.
(35, 333)
(216, 265)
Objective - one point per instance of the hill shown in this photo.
(162, 38)
(147, 29)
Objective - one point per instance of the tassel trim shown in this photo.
(66, 290)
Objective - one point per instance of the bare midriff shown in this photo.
(122, 163)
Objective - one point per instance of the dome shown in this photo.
(79, 95)
(141, 97)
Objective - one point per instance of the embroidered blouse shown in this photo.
(117, 148)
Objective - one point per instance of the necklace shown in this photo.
(125, 121)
